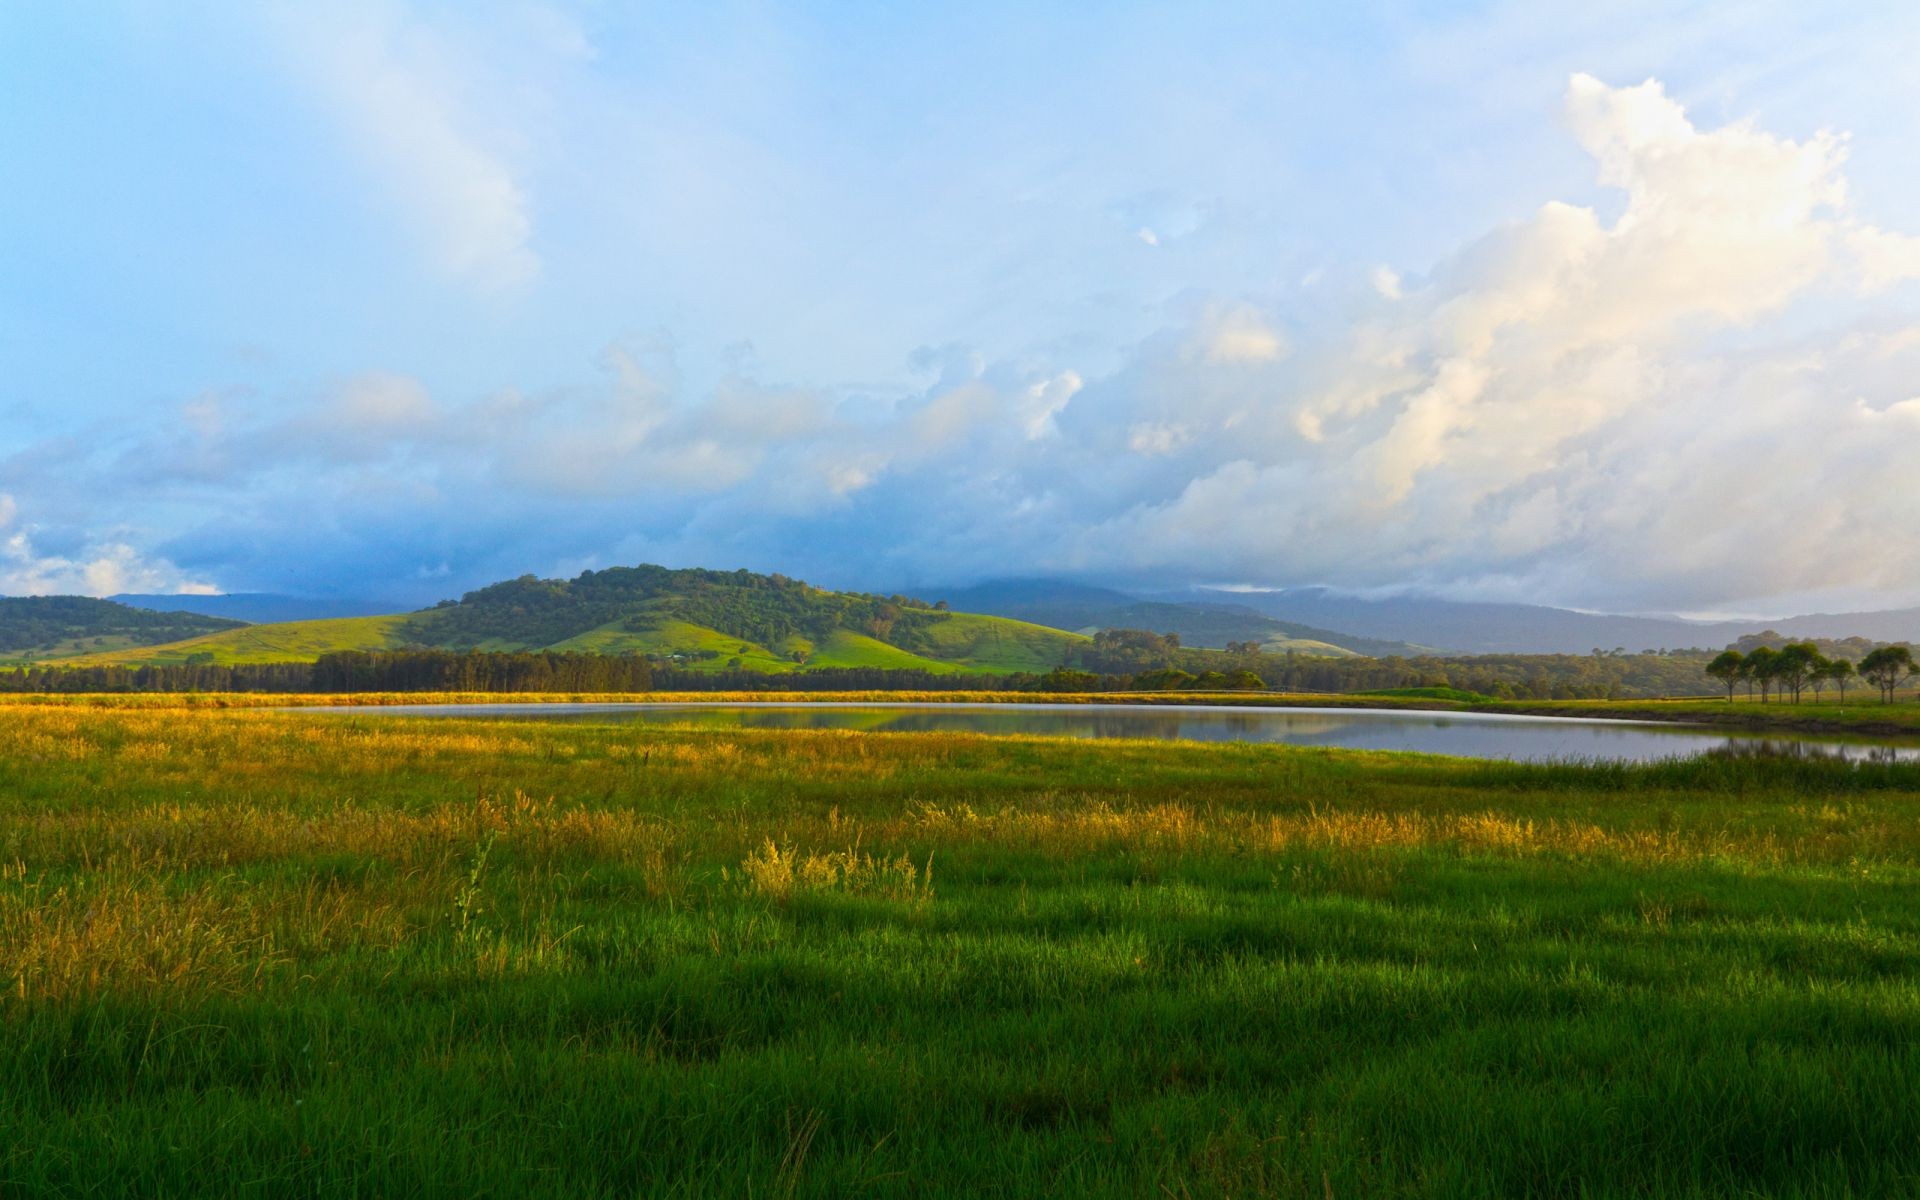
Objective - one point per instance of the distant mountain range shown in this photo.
(1305, 620)
(1480, 628)
(256, 608)
(1205, 622)
(1397, 624)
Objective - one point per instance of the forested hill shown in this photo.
(689, 619)
(768, 609)
(763, 621)
(39, 627)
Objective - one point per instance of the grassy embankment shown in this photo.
(1862, 714)
(288, 954)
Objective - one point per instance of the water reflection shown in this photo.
(1776, 747)
(1474, 735)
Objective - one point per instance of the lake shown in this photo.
(1471, 735)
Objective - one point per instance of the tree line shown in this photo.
(1796, 667)
(1124, 663)
(1150, 662)
(354, 671)
(550, 671)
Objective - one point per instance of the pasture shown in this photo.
(245, 951)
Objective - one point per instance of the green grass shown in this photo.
(290, 641)
(998, 645)
(843, 648)
(701, 649)
(70, 648)
(1307, 646)
(962, 641)
(1858, 712)
(1428, 693)
(269, 953)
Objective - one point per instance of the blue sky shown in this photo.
(1613, 307)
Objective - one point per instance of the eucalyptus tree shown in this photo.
(1840, 671)
(1760, 670)
(1885, 667)
(1795, 665)
(1728, 668)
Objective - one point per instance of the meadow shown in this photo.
(247, 951)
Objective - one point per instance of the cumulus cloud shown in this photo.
(100, 569)
(1703, 399)
(1581, 404)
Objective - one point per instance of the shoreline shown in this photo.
(1900, 720)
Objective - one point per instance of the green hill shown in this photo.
(1308, 646)
(690, 619)
(290, 641)
(35, 628)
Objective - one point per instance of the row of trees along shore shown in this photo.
(1799, 666)
(1109, 664)
(544, 671)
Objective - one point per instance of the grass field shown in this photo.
(280, 954)
(71, 648)
(704, 649)
(1860, 713)
(291, 641)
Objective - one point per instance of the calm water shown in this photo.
(1476, 735)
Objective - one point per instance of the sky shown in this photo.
(1613, 306)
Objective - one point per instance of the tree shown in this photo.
(1886, 667)
(1795, 664)
(1727, 669)
(1760, 670)
(1840, 670)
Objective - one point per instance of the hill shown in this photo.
(692, 619)
(33, 628)
(289, 641)
(1208, 622)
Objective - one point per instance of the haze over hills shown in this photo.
(257, 608)
(1485, 628)
(1406, 624)
(1204, 622)
(708, 619)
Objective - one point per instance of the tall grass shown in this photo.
(250, 951)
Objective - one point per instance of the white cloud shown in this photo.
(102, 569)
(1884, 259)
(409, 96)
(1239, 335)
(1148, 437)
(1573, 404)
(1040, 400)
(1705, 400)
